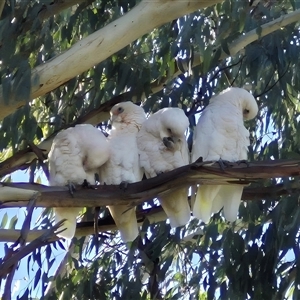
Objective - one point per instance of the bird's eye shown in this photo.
(169, 129)
(246, 111)
(120, 109)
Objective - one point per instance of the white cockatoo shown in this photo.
(163, 147)
(75, 156)
(123, 166)
(220, 134)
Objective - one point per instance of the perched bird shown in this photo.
(123, 166)
(162, 148)
(75, 156)
(220, 134)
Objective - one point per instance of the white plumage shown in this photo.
(221, 134)
(75, 155)
(163, 147)
(123, 165)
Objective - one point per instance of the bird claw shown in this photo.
(199, 160)
(159, 173)
(243, 161)
(71, 187)
(86, 184)
(224, 163)
(124, 185)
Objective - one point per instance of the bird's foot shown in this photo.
(243, 161)
(224, 164)
(86, 184)
(199, 160)
(159, 173)
(124, 185)
(71, 187)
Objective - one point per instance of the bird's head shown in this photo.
(127, 113)
(249, 106)
(240, 98)
(174, 123)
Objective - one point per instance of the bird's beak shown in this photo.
(113, 118)
(174, 139)
(171, 139)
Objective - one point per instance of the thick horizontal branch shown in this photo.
(153, 215)
(18, 194)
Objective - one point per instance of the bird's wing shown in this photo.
(150, 154)
(123, 166)
(219, 134)
(155, 158)
(74, 153)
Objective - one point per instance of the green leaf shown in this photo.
(6, 88)
(4, 220)
(12, 223)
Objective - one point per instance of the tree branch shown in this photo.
(101, 44)
(48, 10)
(43, 239)
(266, 29)
(154, 214)
(21, 241)
(18, 194)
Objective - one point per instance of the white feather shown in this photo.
(156, 158)
(220, 134)
(75, 155)
(123, 165)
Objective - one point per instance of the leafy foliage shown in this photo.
(182, 63)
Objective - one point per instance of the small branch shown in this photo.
(37, 151)
(268, 88)
(153, 215)
(266, 29)
(152, 266)
(64, 268)
(44, 239)
(21, 241)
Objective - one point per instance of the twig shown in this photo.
(38, 152)
(267, 89)
(21, 241)
(152, 266)
(43, 240)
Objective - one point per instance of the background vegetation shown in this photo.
(68, 62)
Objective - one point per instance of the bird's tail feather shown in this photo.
(176, 207)
(202, 208)
(231, 195)
(70, 214)
(126, 222)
